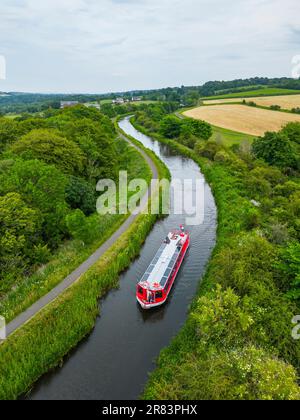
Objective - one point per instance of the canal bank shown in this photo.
(114, 361)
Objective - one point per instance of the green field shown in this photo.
(105, 101)
(253, 93)
(11, 116)
(244, 89)
(228, 137)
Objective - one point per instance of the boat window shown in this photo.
(163, 281)
(168, 271)
(140, 290)
(159, 295)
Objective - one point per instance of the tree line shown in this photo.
(182, 95)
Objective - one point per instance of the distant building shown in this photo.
(68, 104)
(136, 98)
(118, 101)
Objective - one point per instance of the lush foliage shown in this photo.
(237, 342)
(24, 359)
(48, 169)
(277, 149)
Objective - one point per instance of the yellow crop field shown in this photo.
(285, 101)
(244, 119)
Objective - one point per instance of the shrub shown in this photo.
(81, 194)
(80, 227)
(289, 266)
(222, 156)
(238, 374)
(170, 127)
(221, 318)
(208, 150)
(275, 107)
(276, 149)
(246, 264)
(278, 233)
(198, 128)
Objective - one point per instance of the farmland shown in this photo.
(285, 101)
(255, 93)
(250, 120)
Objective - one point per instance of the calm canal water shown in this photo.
(115, 360)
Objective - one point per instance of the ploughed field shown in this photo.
(284, 101)
(244, 119)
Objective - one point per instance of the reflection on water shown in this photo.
(114, 361)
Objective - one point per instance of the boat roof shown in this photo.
(163, 263)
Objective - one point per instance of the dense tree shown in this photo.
(51, 147)
(80, 194)
(42, 187)
(9, 132)
(18, 226)
(109, 110)
(48, 169)
(200, 129)
(101, 160)
(170, 127)
(292, 130)
(276, 149)
(28, 124)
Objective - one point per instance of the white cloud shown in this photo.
(104, 45)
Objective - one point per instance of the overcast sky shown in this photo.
(115, 45)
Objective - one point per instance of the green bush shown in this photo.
(276, 149)
(170, 127)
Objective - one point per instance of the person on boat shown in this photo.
(150, 296)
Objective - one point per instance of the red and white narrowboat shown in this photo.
(155, 286)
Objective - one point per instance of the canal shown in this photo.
(115, 360)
